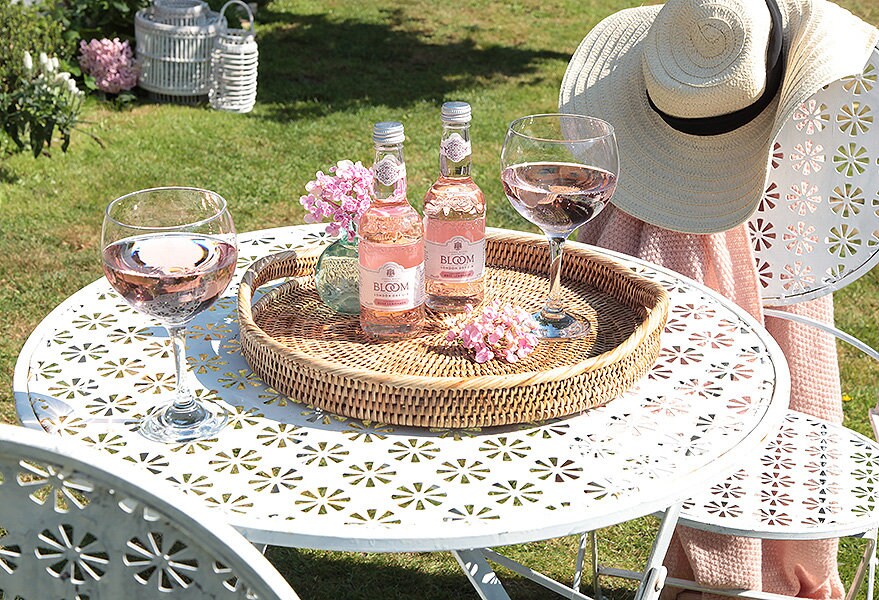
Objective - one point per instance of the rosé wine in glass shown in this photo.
(559, 171)
(170, 253)
(557, 197)
(171, 277)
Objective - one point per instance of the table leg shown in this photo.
(474, 564)
(480, 574)
(535, 576)
(578, 569)
(596, 582)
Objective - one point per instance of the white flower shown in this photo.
(71, 85)
(28, 62)
(54, 64)
(43, 59)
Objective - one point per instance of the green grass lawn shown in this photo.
(328, 70)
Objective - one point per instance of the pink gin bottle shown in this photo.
(391, 253)
(454, 221)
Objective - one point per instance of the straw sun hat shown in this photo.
(697, 90)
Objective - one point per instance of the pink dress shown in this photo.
(725, 263)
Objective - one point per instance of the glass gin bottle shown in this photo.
(454, 221)
(391, 257)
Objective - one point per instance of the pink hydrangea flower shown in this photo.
(342, 196)
(504, 332)
(111, 63)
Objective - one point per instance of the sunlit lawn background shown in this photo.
(328, 70)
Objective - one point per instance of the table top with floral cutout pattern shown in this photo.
(287, 473)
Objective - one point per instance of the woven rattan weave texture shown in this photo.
(301, 348)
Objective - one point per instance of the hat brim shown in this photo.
(702, 184)
(687, 183)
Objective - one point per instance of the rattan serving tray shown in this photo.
(303, 349)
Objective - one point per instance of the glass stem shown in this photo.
(552, 310)
(184, 402)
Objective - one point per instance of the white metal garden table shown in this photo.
(286, 473)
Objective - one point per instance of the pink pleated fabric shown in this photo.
(725, 263)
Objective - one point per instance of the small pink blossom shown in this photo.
(343, 196)
(506, 332)
(484, 355)
(111, 63)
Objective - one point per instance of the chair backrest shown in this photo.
(817, 226)
(74, 525)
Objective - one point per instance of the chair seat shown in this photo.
(814, 480)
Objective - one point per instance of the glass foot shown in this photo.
(561, 326)
(199, 423)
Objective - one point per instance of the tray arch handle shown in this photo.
(282, 265)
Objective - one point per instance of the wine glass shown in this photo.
(559, 171)
(170, 252)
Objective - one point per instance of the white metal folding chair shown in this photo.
(74, 525)
(815, 231)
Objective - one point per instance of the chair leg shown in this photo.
(866, 566)
(654, 571)
(871, 569)
(874, 420)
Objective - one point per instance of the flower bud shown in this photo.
(28, 61)
(43, 59)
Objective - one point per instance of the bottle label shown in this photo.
(389, 170)
(455, 148)
(456, 261)
(392, 288)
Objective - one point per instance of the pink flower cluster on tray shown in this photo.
(503, 332)
(342, 196)
(111, 63)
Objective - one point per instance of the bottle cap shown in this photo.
(388, 132)
(456, 112)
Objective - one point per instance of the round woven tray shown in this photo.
(303, 349)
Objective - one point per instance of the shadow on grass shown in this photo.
(311, 65)
(354, 576)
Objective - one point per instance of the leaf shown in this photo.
(36, 143)
(12, 130)
(41, 135)
(48, 130)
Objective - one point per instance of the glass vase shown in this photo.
(337, 276)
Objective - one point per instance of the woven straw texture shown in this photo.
(301, 348)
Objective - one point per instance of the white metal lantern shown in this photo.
(234, 62)
(174, 43)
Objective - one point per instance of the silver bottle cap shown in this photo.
(456, 112)
(388, 132)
